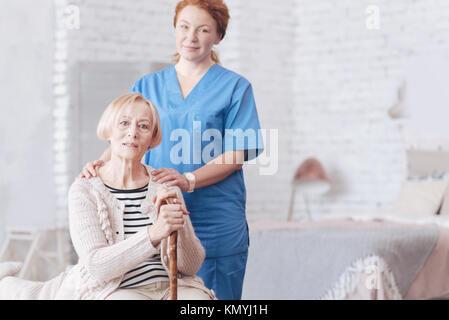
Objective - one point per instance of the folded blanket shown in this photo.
(306, 263)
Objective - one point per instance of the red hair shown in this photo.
(217, 10)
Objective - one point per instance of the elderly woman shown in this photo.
(120, 222)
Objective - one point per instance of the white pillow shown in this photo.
(422, 195)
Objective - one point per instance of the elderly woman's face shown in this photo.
(131, 133)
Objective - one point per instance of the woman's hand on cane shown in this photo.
(170, 215)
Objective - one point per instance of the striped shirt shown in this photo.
(152, 269)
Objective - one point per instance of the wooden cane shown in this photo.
(173, 265)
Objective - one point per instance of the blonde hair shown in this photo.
(218, 11)
(109, 117)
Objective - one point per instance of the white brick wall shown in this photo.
(62, 126)
(123, 31)
(346, 79)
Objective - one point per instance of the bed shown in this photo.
(397, 253)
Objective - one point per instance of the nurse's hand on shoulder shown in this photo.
(170, 215)
(89, 169)
(172, 177)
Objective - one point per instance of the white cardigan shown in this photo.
(96, 229)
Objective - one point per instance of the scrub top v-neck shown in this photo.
(194, 131)
(175, 87)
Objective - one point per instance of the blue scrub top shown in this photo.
(208, 122)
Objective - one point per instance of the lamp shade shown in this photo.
(311, 177)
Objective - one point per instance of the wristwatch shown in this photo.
(191, 178)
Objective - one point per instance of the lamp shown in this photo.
(309, 178)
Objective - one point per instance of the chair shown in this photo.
(34, 238)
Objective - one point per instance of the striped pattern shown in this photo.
(152, 269)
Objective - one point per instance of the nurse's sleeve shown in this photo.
(241, 125)
(136, 87)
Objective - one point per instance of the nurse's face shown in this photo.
(131, 133)
(196, 34)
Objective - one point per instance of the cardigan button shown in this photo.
(117, 232)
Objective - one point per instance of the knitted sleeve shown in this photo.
(103, 260)
(190, 250)
(190, 254)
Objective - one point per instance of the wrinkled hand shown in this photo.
(89, 169)
(170, 214)
(172, 177)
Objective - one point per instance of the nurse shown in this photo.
(210, 127)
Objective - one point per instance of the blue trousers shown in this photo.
(225, 275)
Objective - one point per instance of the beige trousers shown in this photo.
(157, 291)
